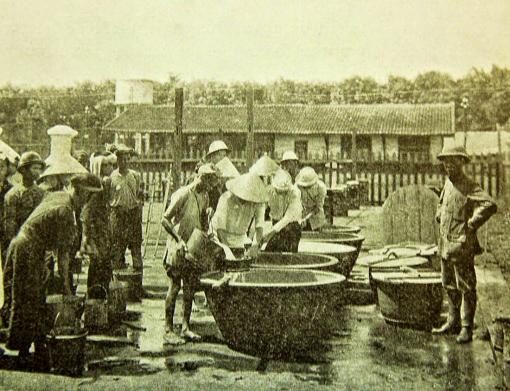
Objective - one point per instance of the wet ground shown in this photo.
(364, 353)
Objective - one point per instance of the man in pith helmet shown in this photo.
(290, 163)
(463, 208)
(217, 151)
(313, 196)
(19, 203)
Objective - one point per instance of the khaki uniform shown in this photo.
(313, 198)
(463, 208)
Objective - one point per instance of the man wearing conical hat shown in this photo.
(463, 208)
(290, 163)
(187, 211)
(313, 196)
(285, 211)
(265, 167)
(239, 208)
(50, 227)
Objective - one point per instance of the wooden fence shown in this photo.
(382, 176)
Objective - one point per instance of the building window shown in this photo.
(363, 146)
(301, 149)
(414, 148)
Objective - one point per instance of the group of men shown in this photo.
(53, 216)
(231, 209)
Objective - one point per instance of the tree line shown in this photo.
(482, 99)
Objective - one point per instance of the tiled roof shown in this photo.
(395, 119)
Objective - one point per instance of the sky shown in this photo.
(60, 42)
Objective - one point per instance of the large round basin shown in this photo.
(335, 229)
(295, 261)
(410, 299)
(272, 312)
(346, 255)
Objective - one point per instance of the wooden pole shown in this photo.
(177, 163)
(250, 147)
(354, 155)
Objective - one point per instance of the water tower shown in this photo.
(130, 92)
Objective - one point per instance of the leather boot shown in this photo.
(452, 325)
(468, 317)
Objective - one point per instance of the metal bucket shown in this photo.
(96, 312)
(69, 308)
(66, 348)
(117, 299)
(133, 278)
(204, 251)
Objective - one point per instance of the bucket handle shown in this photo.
(391, 254)
(103, 289)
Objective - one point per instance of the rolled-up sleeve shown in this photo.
(177, 203)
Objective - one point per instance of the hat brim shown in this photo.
(218, 150)
(91, 189)
(443, 156)
(307, 183)
(40, 162)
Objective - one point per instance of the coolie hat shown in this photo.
(248, 187)
(216, 146)
(265, 166)
(306, 177)
(227, 168)
(455, 151)
(289, 155)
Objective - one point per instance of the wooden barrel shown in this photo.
(410, 299)
(96, 311)
(66, 348)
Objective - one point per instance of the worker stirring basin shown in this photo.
(272, 312)
(295, 261)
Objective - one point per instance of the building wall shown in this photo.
(316, 144)
(335, 146)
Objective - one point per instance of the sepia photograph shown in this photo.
(255, 195)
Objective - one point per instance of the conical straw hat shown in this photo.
(64, 165)
(227, 168)
(248, 187)
(265, 166)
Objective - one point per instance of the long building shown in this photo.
(378, 131)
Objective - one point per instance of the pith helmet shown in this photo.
(123, 150)
(307, 177)
(216, 146)
(282, 181)
(457, 150)
(248, 187)
(265, 166)
(289, 155)
(227, 168)
(28, 158)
